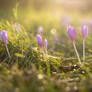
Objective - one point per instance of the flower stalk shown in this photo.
(7, 51)
(83, 50)
(76, 52)
(84, 35)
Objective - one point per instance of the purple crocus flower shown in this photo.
(54, 37)
(45, 44)
(39, 40)
(71, 33)
(40, 30)
(4, 36)
(84, 31)
(17, 27)
(84, 34)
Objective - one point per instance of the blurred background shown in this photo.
(52, 7)
(80, 5)
(83, 6)
(50, 14)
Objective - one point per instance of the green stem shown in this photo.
(7, 51)
(76, 52)
(83, 50)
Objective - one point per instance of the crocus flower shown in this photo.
(72, 36)
(40, 30)
(71, 33)
(45, 47)
(39, 40)
(84, 31)
(54, 37)
(45, 44)
(4, 36)
(17, 27)
(84, 34)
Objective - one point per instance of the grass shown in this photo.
(29, 70)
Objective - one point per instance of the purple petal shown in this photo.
(39, 40)
(4, 36)
(45, 44)
(71, 33)
(84, 31)
(17, 27)
(55, 38)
